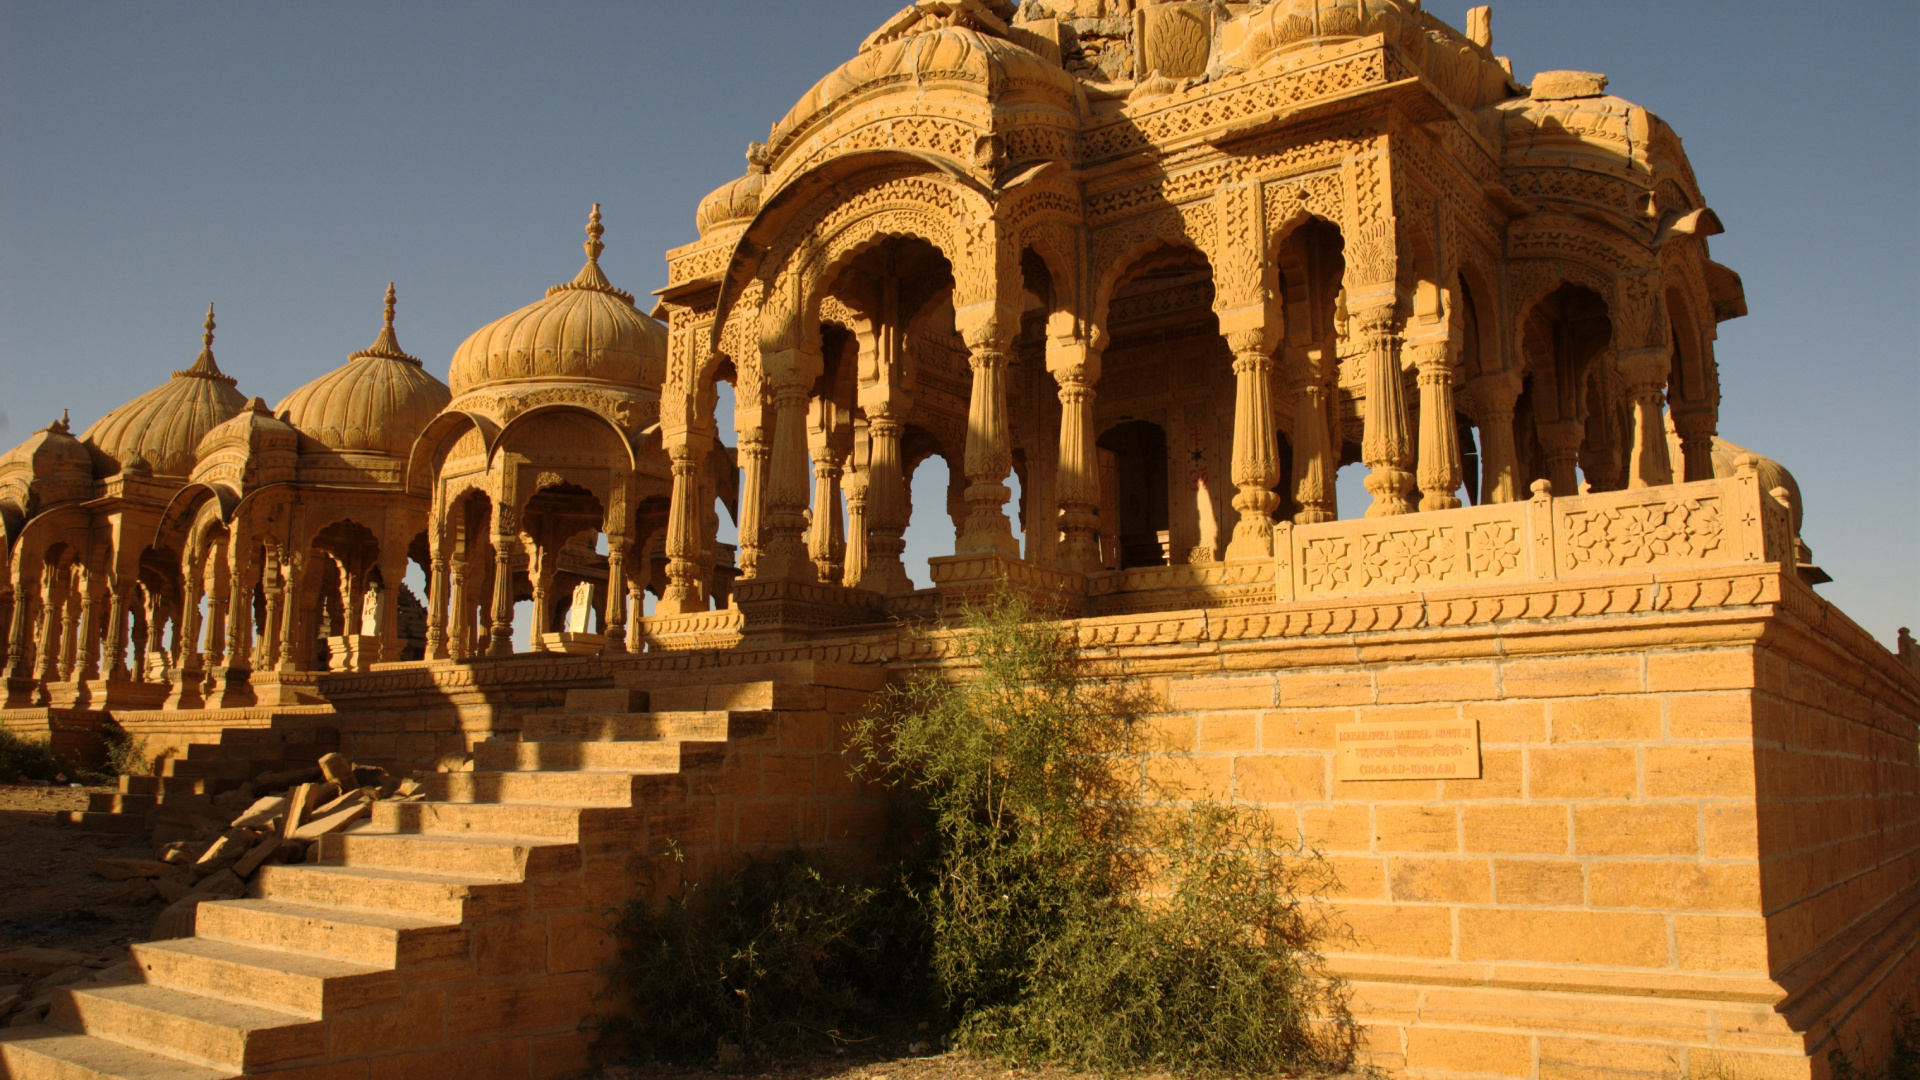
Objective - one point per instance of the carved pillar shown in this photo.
(267, 653)
(53, 593)
(1316, 459)
(152, 640)
(1078, 479)
(87, 648)
(239, 611)
(783, 551)
(437, 597)
(1560, 445)
(854, 486)
(989, 455)
(540, 569)
(826, 539)
(1645, 372)
(19, 630)
(215, 580)
(505, 535)
(1439, 468)
(684, 595)
(292, 568)
(1256, 457)
(616, 612)
(1696, 430)
(1489, 400)
(753, 453)
(117, 590)
(70, 621)
(886, 508)
(1386, 445)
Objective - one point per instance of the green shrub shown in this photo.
(126, 753)
(1903, 1056)
(781, 958)
(22, 758)
(1075, 918)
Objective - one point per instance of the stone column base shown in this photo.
(573, 644)
(352, 652)
(977, 579)
(774, 611)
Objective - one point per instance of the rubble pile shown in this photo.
(209, 851)
(29, 976)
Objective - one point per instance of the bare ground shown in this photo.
(49, 894)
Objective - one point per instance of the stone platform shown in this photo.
(1689, 840)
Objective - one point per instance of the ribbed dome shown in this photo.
(906, 55)
(1307, 24)
(51, 466)
(732, 203)
(376, 403)
(583, 330)
(165, 424)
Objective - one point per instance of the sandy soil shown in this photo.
(49, 894)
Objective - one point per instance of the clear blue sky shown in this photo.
(288, 160)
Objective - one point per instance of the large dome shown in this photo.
(585, 330)
(165, 424)
(378, 402)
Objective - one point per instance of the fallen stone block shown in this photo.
(225, 885)
(286, 778)
(339, 769)
(33, 960)
(122, 869)
(176, 921)
(223, 853)
(173, 890)
(257, 854)
(339, 819)
(262, 812)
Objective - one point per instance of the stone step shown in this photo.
(103, 821)
(744, 696)
(563, 788)
(220, 1034)
(208, 768)
(648, 756)
(165, 785)
(626, 727)
(505, 858)
(355, 936)
(549, 823)
(114, 802)
(48, 1053)
(276, 978)
(401, 892)
(607, 699)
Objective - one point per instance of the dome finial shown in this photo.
(387, 345)
(204, 367)
(594, 232)
(590, 275)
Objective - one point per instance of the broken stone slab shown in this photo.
(122, 869)
(338, 768)
(36, 961)
(1567, 85)
(173, 890)
(262, 812)
(337, 803)
(286, 778)
(225, 885)
(176, 921)
(257, 854)
(454, 763)
(339, 819)
(223, 853)
(136, 892)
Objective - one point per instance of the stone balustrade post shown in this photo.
(1696, 430)
(1489, 399)
(1316, 459)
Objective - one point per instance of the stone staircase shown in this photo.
(457, 936)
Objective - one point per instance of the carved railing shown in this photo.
(699, 630)
(1656, 529)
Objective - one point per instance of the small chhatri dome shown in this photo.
(377, 403)
(736, 201)
(584, 330)
(165, 424)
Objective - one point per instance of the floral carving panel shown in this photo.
(1643, 534)
(1379, 558)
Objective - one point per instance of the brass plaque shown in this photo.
(1419, 750)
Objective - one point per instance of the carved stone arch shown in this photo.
(1118, 248)
(424, 460)
(504, 441)
(1474, 280)
(1532, 280)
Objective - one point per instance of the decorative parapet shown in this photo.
(698, 630)
(1711, 523)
